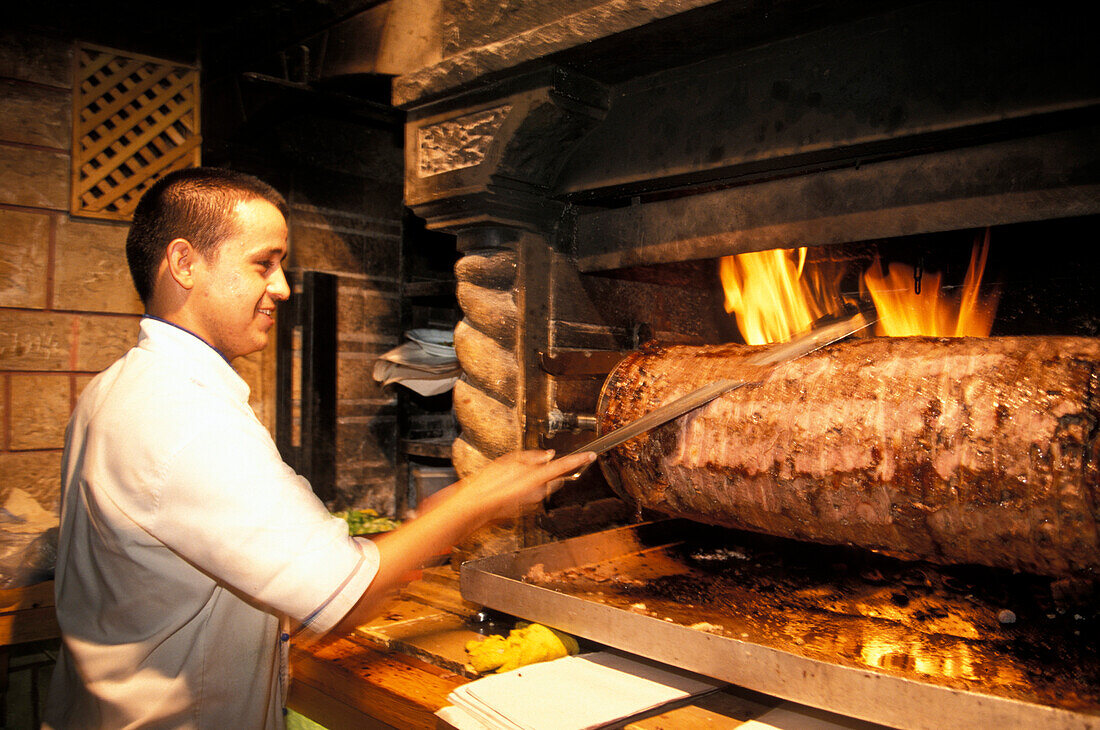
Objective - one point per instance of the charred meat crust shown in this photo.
(953, 450)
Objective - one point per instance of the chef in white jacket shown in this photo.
(190, 554)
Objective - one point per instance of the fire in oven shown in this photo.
(908, 514)
(901, 526)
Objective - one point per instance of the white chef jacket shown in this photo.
(184, 541)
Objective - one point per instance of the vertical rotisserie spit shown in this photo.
(953, 450)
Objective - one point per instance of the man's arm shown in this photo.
(499, 490)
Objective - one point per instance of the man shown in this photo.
(189, 553)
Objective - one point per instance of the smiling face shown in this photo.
(236, 288)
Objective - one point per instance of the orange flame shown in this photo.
(903, 312)
(774, 296)
(765, 292)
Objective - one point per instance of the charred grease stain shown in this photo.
(861, 609)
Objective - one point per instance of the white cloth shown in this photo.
(184, 537)
(427, 363)
(571, 693)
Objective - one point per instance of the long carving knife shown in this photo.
(800, 345)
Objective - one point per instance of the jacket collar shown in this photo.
(203, 363)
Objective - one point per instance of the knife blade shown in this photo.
(800, 345)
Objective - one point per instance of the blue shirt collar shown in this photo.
(184, 329)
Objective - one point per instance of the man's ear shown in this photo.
(182, 256)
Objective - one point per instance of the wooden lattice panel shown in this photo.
(135, 119)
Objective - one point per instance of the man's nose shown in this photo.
(277, 287)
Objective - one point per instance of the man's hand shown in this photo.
(499, 490)
(513, 481)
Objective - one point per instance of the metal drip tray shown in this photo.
(904, 644)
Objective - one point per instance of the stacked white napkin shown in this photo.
(571, 693)
(427, 363)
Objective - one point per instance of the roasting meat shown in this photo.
(953, 450)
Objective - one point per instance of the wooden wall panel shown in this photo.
(135, 119)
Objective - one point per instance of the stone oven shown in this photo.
(595, 160)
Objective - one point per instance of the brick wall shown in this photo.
(67, 308)
(364, 251)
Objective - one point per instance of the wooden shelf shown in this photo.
(435, 288)
(28, 614)
(432, 448)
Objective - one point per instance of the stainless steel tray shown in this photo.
(855, 656)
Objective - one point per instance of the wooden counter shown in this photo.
(397, 670)
(28, 614)
(394, 671)
(346, 684)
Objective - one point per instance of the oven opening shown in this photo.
(1034, 278)
(839, 593)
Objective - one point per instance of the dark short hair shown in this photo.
(196, 204)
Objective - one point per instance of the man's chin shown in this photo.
(256, 346)
(259, 344)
